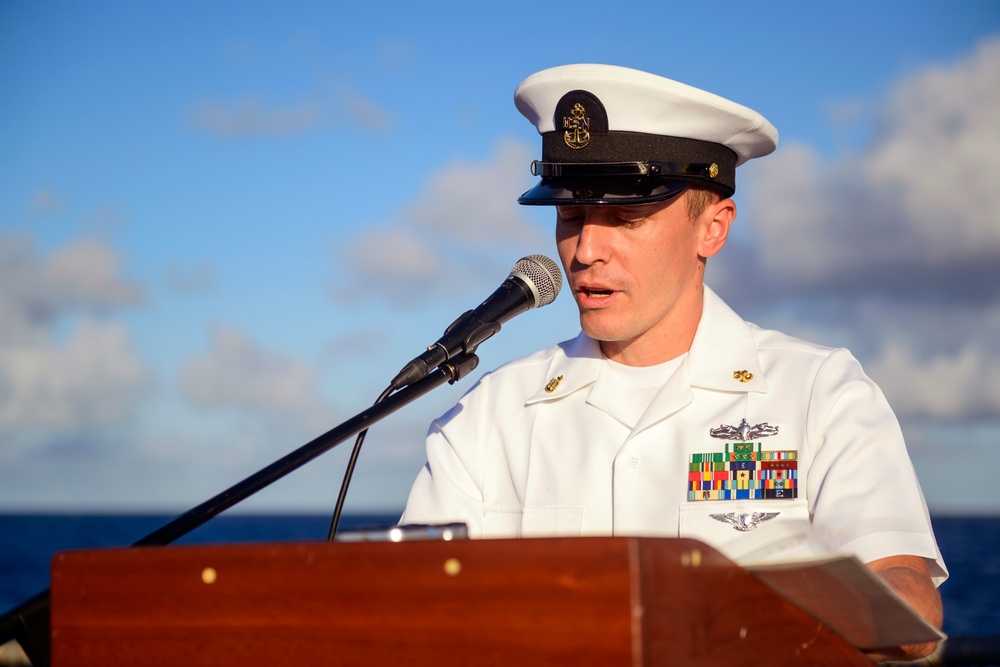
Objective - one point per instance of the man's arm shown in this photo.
(910, 578)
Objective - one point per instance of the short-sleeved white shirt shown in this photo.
(548, 446)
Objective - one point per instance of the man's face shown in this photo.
(635, 271)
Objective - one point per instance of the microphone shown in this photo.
(534, 282)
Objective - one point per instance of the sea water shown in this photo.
(971, 548)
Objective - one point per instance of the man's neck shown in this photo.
(667, 340)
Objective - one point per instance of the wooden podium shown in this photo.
(552, 601)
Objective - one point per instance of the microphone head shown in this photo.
(542, 275)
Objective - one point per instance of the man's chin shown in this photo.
(601, 328)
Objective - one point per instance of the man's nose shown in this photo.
(592, 243)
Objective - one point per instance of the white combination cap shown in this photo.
(614, 135)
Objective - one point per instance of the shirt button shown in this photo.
(634, 461)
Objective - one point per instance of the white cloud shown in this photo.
(939, 157)
(86, 273)
(63, 364)
(962, 385)
(238, 373)
(189, 280)
(80, 276)
(912, 214)
(362, 111)
(474, 203)
(249, 117)
(93, 379)
(394, 263)
(939, 362)
(252, 117)
(463, 231)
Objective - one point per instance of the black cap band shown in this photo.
(615, 163)
(652, 168)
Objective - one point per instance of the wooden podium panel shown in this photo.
(552, 601)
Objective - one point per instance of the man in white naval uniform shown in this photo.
(669, 415)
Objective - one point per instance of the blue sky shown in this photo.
(225, 226)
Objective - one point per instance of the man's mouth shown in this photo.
(594, 294)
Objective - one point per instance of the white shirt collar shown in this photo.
(723, 356)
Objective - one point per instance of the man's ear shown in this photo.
(716, 219)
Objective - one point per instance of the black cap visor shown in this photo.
(618, 190)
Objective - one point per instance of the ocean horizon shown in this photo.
(970, 545)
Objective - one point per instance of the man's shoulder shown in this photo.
(773, 339)
(777, 349)
(727, 330)
(724, 327)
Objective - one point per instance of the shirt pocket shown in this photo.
(751, 531)
(502, 522)
(551, 521)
